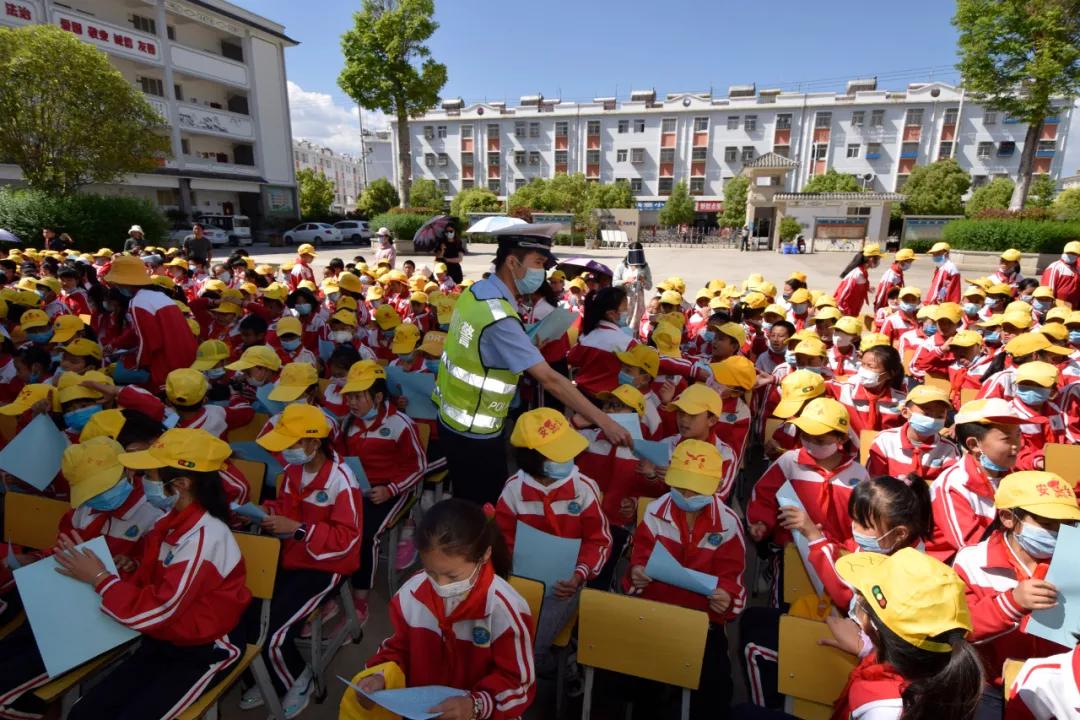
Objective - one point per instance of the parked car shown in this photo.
(356, 232)
(314, 233)
(214, 234)
(237, 228)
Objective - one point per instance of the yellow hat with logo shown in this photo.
(186, 387)
(699, 398)
(914, 595)
(1028, 343)
(433, 343)
(966, 338)
(209, 354)
(49, 283)
(15, 296)
(65, 327)
(796, 389)
(296, 379)
(345, 316)
(257, 356)
(29, 396)
(1045, 494)
(736, 371)
(696, 466)
(641, 356)
(183, 449)
(1040, 373)
(823, 415)
(70, 386)
(81, 347)
(33, 319)
(406, 338)
(925, 394)
(668, 339)
(375, 292)
(629, 396)
(812, 347)
(363, 375)
(350, 283)
(91, 468)
(548, 432)
(288, 325)
(127, 270)
(386, 317)
(297, 422)
(107, 423)
(849, 325)
(905, 254)
(939, 247)
(948, 311)
(306, 249)
(1010, 255)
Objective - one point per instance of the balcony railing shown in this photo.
(200, 163)
(208, 65)
(111, 38)
(210, 121)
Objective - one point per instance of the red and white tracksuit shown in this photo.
(76, 302)
(218, 420)
(1063, 279)
(962, 500)
(593, 359)
(163, 340)
(893, 453)
(1001, 384)
(1048, 687)
(944, 284)
(930, 358)
(842, 362)
(122, 528)
(614, 470)
(868, 410)
(897, 324)
(893, 277)
(853, 290)
(300, 272)
(1045, 424)
(874, 691)
(731, 463)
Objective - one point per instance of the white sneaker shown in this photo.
(299, 695)
(252, 698)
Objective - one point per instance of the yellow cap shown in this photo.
(553, 275)
(939, 247)
(812, 347)
(82, 347)
(16, 296)
(181, 448)
(716, 285)
(699, 398)
(394, 276)
(807, 333)
(90, 468)
(671, 297)
(911, 292)
(1043, 292)
(163, 281)
(177, 262)
(1072, 247)
(186, 387)
(70, 386)
(296, 379)
(797, 275)
(297, 422)
(264, 270)
(386, 317)
(287, 266)
(29, 396)
(1055, 331)
(288, 325)
(275, 291)
(999, 289)
(444, 308)
(107, 423)
(988, 411)
(127, 270)
(1018, 307)
(350, 283)
(641, 356)
(629, 396)
(828, 312)
(849, 325)
(33, 319)
(49, 283)
(992, 321)
(577, 283)
(103, 252)
(823, 415)
(872, 250)
(213, 285)
(345, 316)
(418, 297)
(65, 327)
(802, 295)
(667, 338)
(914, 595)
(702, 294)
(257, 356)
(822, 300)
(209, 354)
(306, 249)
(375, 292)
(905, 254)
(1040, 373)
(796, 389)
(1019, 320)
(307, 285)
(924, 394)
(948, 311)
(548, 432)
(966, 338)
(974, 291)
(1010, 255)
(345, 303)
(406, 338)
(736, 371)
(734, 331)
(249, 289)
(1045, 494)
(775, 309)
(1058, 313)
(696, 466)
(1029, 343)
(363, 375)
(433, 343)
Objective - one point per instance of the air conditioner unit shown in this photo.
(868, 177)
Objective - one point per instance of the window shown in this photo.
(444, 186)
(519, 157)
(152, 86)
(593, 127)
(913, 116)
(667, 125)
(624, 127)
(873, 151)
(697, 186)
(859, 211)
(820, 150)
(519, 183)
(944, 150)
(429, 159)
(731, 154)
(493, 159)
(429, 131)
(990, 117)
(444, 159)
(534, 129)
(977, 181)
(950, 116)
(667, 155)
(853, 150)
(732, 122)
(747, 154)
(823, 119)
(635, 185)
(782, 150)
(857, 118)
(909, 150)
(519, 129)
(467, 184)
(877, 118)
(620, 155)
(170, 32)
(783, 121)
(1046, 146)
(494, 185)
(560, 157)
(466, 132)
(750, 123)
(1006, 148)
(639, 125)
(665, 185)
(701, 124)
(440, 131)
(562, 128)
(493, 131)
(534, 158)
(466, 159)
(637, 155)
(592, 157)
(144, 24)
(985, 149)
(699, 153)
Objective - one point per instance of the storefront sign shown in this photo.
(709, 206)
(627, 220)
(279, 200)
(849, 228)
(650, 205)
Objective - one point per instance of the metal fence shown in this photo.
(689, 237)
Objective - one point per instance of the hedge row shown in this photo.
(93, 221)
(1033, 236)
(402, 225)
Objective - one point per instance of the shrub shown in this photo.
(1029, 213)
(403, 225)
(789, 229)
(1036, 236)
(94, 221)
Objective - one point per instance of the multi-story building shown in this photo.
(348, 172)
(879, 136)
(216, 73)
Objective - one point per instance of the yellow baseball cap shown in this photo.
(275, 291)
(872, 250)
(670, 297)
(33, 319)
(345, 303)
(183, 449)
(386, 317)
(1019, 320)
(288, 325)
(716, 285)
(553, 275)
(1028, 343)
(363, 375)
(345, 316)
(924, 394)
(966, 338)
(827, 312)
(702, 294)
(699, 398)
(296, 379)
(257, 356)
(406, 338)
(1018, 307)
(1054, 331)
(1045, 494)
(1072, 247)
(82, 347)
(822, 300)
(375, 292)
(736, 371)
(1058, 313)
(185, 387)
(871, 340)
(675, 318)
(90, 468)
(29, 396)
(70, 386)
(696, 466)
(306, 249)
(914, 595)
(667, 338)
(629, 396)
(65, 327)
(107, 423)
(297, 422)
(849, 325)
(641, 356)
(988, 411)
(444, 308)
(755, 301)
(974, 291)
(802, 295)
(350, 283)
(811, 346)
(577, 283)
(1043, 292)
(16, 296)
(992, 321)
(1040, 373)
(49, 283)
(905, 254)
(939, 247)
(948, 311)
(775, 309)
(163, 281)
(823, 415)
(127, 270)
(797, 275)
(734, 331)
(433, 343)
(1010, 255)
(103, 252)
(548, 432)
(1000, 289)
(213, 285)
(394, 276)
(795, 389)
(209, 354)
(418, 297)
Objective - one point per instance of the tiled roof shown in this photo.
(772, 160)
(895, 197)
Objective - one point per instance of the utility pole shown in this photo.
(363, 147)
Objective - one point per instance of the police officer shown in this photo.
(486, 352)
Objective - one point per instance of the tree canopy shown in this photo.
(69, 117)
(734, 214)
(316, 193)
(1041, 194)
(936, 189)
(833, 181)
(474, 200)
(1067, 204)
(571, 194)
(994, 195)
(378, 197)
(679, 208)
(425, 193)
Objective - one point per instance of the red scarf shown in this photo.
(868, 670)
(473, 606)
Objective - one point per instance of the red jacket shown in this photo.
(944, 285)
(596, 369)
(300, 272)
(389, 448)
(852, 291)
(123, 528)
(76, 302)
(189, 588)
(218, 420)
(962, 500)
(614, 469)
(892, 278)
(874, 690)
(1063, 279)
(165, 342)
(893, 453)
(484, 645)
(1046, 425)
(867, 410)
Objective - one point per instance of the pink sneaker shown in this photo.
(330, 610)
(406, 553)
(361, 605)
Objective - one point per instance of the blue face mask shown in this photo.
(1033, 397)
(816, 370)
(992, 466)
(1074, 337)
(40, 338)
(868, 543)
(76, 419)
(708, 336)
(1038, 542)
(290, 345)
(939, 259)
(993, 338)
(925, 425)
(370, 414)
(155, 495)
(534, 278)
(766, 326)
(214, 373)
(789, 358)
(303, 308)
(432, 365)
(35, 377)
(296, 456)
(972, 308)
(625, 378)
(798, 308)
(909, 307)
(690, 504)
(112, 498)
(930, 330)
(1043, 304)
(558, 471)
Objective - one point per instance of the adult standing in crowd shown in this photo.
(449, 251)
(197, 246)
(634, 276)
(134, 242)
(485, 354)
(385, 252)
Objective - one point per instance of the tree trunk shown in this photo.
(1027, 161)
(404, 154)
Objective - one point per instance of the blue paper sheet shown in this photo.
(552, 327)
(417, 388)
(56, 604)
(411, 703)
(326, 349)
(264, 404)
(250, 450)
(544, 557)
(34, 454)
(358, 470)
(249, 510)
(663, 567)
(1061, 621)
(658, 453)
(11, 560)
(787, 497)
(630, 421)
(129, 376)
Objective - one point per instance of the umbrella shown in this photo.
(492, 223)
(584, 264)
(8, 236)
(431, 232)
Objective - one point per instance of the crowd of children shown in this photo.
(890, 442)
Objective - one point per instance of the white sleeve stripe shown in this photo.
(513, 697)
(166, 609)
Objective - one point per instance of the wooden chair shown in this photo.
(32, 520)
(254, 473)
(797, 582)
(866, 439)
(437, 480)
(807, 671)
(249, 432)
(8, 428)
(1062, 459)
(642, 506)
(533, 592)
(968, 394)
(908, 354)
(640, 638)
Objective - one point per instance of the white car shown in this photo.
(215, 235)
(356, 232)
(237, 228)
(314, 233)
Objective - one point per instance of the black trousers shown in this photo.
(759, 632)
(376, 518)
(620, 536)
(477, 468)
(454, 271)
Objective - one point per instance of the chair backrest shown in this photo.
(641, 638)
(642, 506)
(866, 439)
(1062, 459)
(32, 520)
(968, 394)
(249, 432)
(908, 354)
(806, 669)
(532, 591)
(9, 428)
(423, 431)
(254, 473)
(938, 382)
(771, 426)
(260, 561)
(797, 582)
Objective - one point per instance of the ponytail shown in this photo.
(996, 365)
(207, 489)
(856, 261)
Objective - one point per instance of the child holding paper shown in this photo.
(701, 533)
(550, 494)
(479, 638)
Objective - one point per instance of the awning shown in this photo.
(225, 185)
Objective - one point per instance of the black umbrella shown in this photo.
(429, 235)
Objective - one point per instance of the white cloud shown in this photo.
(319, 118)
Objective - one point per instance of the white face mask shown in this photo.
(455, 589)
(341, 336)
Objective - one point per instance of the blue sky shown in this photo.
(578, 49)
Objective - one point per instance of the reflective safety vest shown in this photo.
(471, 397)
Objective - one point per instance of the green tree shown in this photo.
(389, 67)
(1017, 56)
(612, 195)
(789, 228)
(679, 208)
(833, 181)
(424, 193)
(474, 200)
(378, 197)
(69, 118)
(993, 195)
(316, 193)
(936, 189)
(1067, 204)
(734, 214)
(1041, 194)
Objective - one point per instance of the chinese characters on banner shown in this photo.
(16, 13)
(111, 38)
